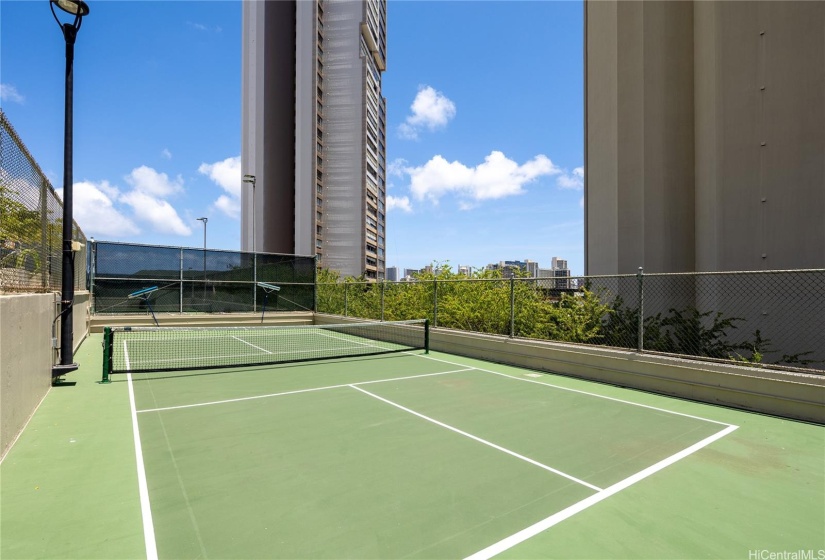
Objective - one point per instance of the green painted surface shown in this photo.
(337, 473)
(68, 487)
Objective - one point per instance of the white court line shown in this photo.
(252, 345)
(299, 391)
(558, 517)
(480, 440)
(574, 390)
(143, 487)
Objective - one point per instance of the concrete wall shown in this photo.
(26, 355)
(705, 136)
(791, 395)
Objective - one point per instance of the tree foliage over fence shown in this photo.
(484, 301)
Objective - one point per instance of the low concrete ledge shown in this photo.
(201, 320)
(794, 395)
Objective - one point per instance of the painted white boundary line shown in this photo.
(250, 344)
(254, 397)
(143, 487)
(556, 518)
(574, 390)
(480, 440)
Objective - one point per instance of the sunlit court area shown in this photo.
(375, 279)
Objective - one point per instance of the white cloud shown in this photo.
(398, 203)
(148, 181)
(229, 206)
(431, 109)
(227, 175)
(396, 167)
(9, 93)
(95, 212)
(497, 177)
(574, 181)
(155, 211)
(166, 154)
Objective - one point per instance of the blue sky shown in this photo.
(484, 132)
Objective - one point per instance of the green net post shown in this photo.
(426, 336)
(107, 354)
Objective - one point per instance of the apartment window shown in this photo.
(319, 202)
(318, 243)
(318, 230)
(319, 175)
(372, 236)
(319, 147)
(319, 161)
(318, 189)
(371, 261)
(318, 216)
(380, 240)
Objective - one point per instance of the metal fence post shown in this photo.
(346, 289)
(435, 302)
(641, 279)
(383, 284)
(180, 260)
(315, 284)
(254, 282)
(512, 307)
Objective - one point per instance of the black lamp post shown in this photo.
(78, 9)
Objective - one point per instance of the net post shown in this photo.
(107, 354)
(426, 336)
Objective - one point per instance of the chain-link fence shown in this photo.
(31, 223)
(772, 318)
(197, 281)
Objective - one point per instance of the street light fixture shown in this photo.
(78, 9)
(251, 179)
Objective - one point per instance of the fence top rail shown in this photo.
(742, 272)
(200, 249)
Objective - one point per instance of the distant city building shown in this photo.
(466, 270)
(558, 264)
(392, 273)
(409, 272)
(510, 268)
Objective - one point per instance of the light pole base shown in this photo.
(59, 370)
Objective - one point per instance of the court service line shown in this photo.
(252, 345)
(543, 525)
(143, 487)
(576, 390)
(480, 440)
(310, 390)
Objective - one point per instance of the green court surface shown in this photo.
(408, 455)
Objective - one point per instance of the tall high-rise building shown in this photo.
(392, 273)
(314, 131)
(704, 136)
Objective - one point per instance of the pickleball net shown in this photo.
(156, 349)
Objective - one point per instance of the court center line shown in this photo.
(250, 344)
(143, 487)
(543, 525)
(573, 390)
(480, 440)
(284, 393)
